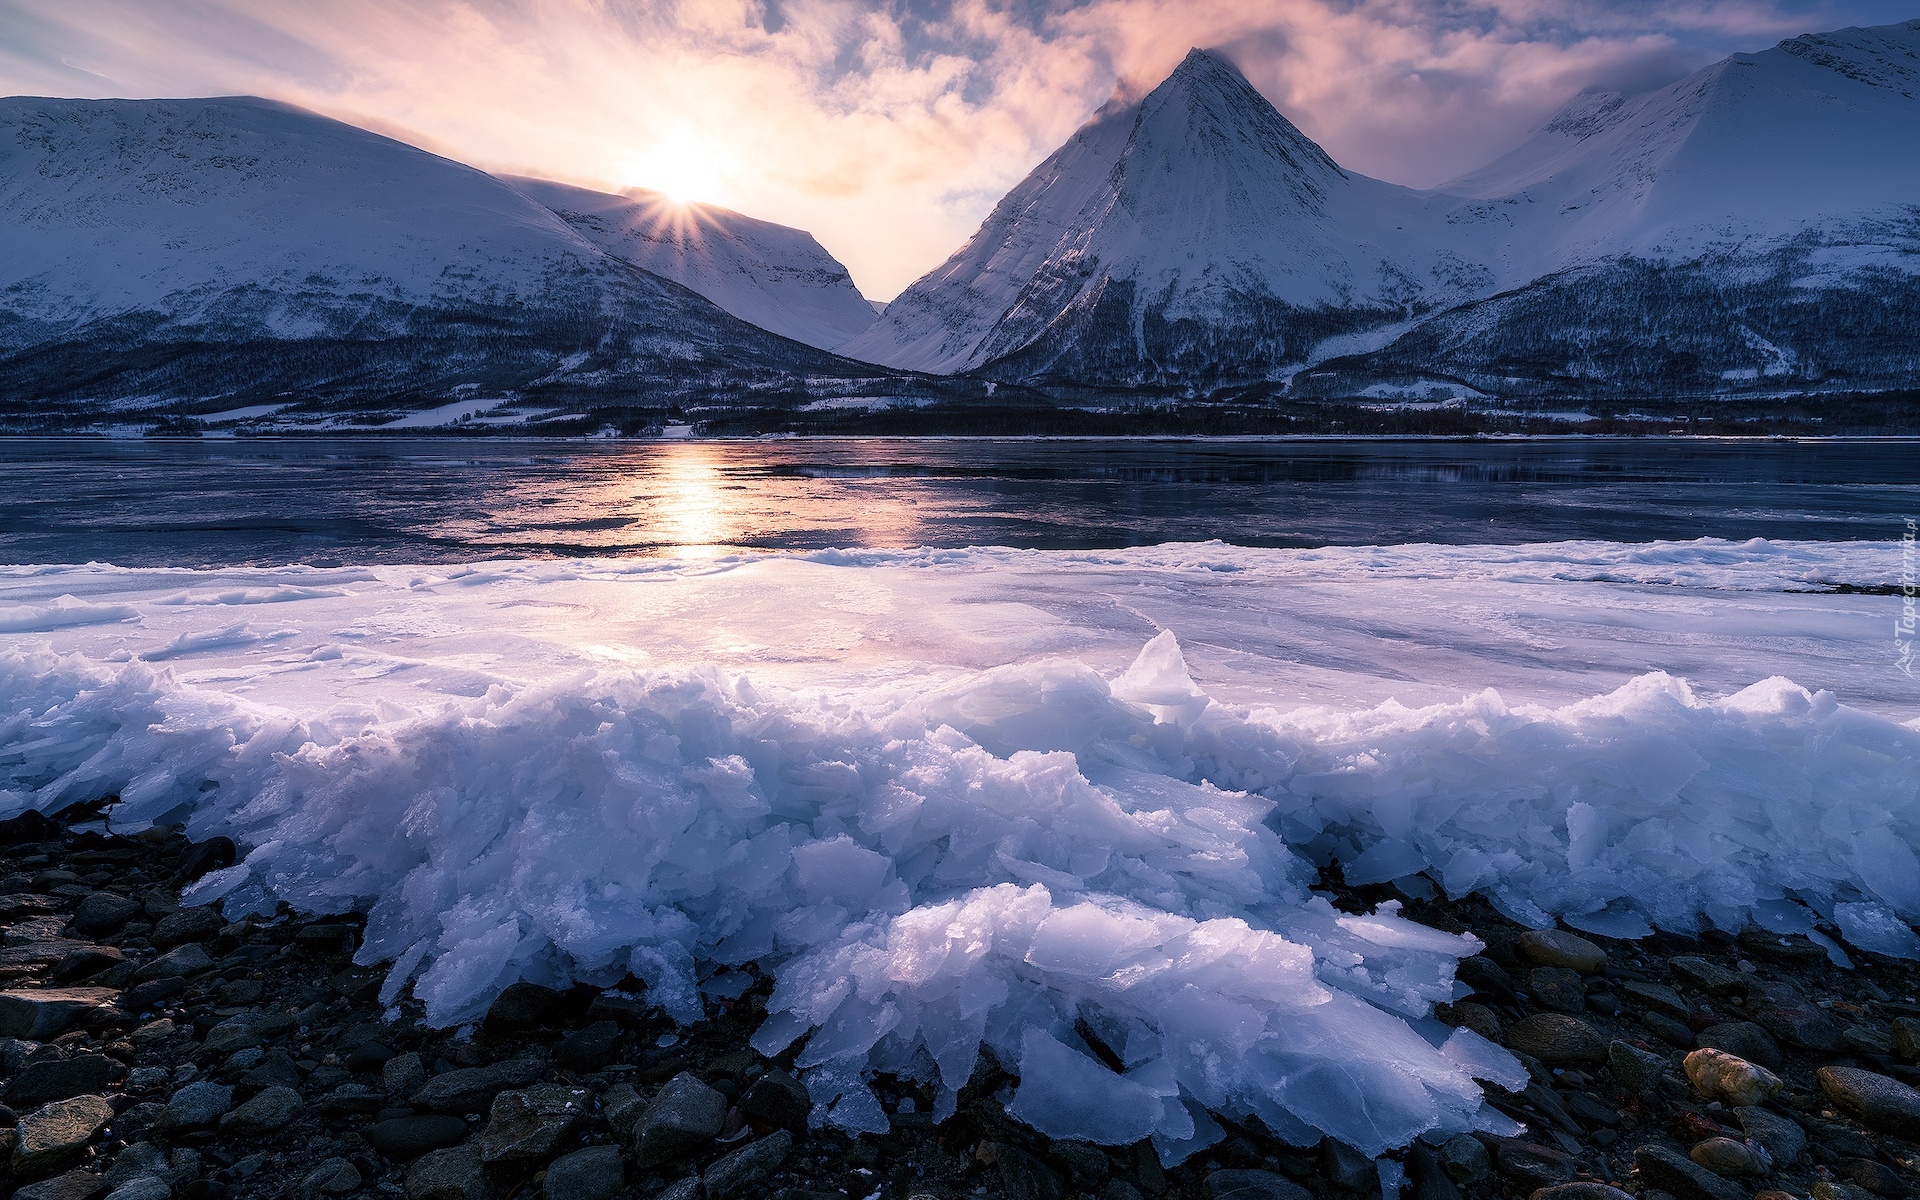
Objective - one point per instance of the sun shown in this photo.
(684, 166)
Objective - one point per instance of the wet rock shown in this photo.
(742, 1172)
(684, 1115)
(1828, 1189)
(195, 1105)
(1531, 1164)
(234, 1033)
(1465, 1159)
(1727, 1158)
(1661, 1168)
(186, 925)
(147, 1187)
(74, 1185)
(1553, 948)
(473, 1088)
(103, 912)
(403, 1074)
(622, 1105)
(1707, 976)
(1905, 1037)
(275, 1070)
(189, 959)
(44, 1014)
(1879, 1102)
(1668, 1030)
(1465, 1014)
(1874, 1176)
(1580, 1190)
(1783, 1012)
(1558, 988)
(1744, 1039)
(1253, 1185)
(526, 1126)
(1558, 1039)
(1722, 1076)
(778, 1099)
(588, 1049)
(353, 1098)
(61, 1079)
(403, 1139)
(689, 1189)
(141, 1158)
(56, 1133)
(455, 1173)
(1655, 997)
(1781, 1137)
(274, 1108)
(1635, 1069)
(333, 1177)
(596, 1173)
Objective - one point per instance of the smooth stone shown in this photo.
(141, 1158)
(196, 1104)
(1829, 1189)
(404, 1138)
(686, 1189)
(596, 1173)
(1532, 1164)
(74, 1185)
(1668, 1030)
(59, 1079)
(1655, 997)
(1718, 1075)
(455, 1173)
(1465, 1159)
(1905, 1037)
(1879, 1102)
(333, 1177)
(403, 1074)
(1579, 1190)
(274, 1108)
(683, 1116)
(1782, 1011)
(1633, 1068)
(104, 912)
(1727, 1158)
(185, 925)
(1554, 948)
(1707, 976)
(740, 1173)
(1558, 988)
(1781, 1137)
(84, 962)
(44, 1014)
(274, 1070)
(1558, 1039)
(526, 1126)
(778, 1099)
(1744, 1039)
(190, 959)
(57, 1132)
(473, 1088)
(1253, 1185)
(1874, 1176)
(234, 1033)
(1661, 1168)
(147, 1187)
(622, 1105)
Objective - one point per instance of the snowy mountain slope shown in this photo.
(1755, 225)
(1196, 225)
(208, 250)
(777, 277)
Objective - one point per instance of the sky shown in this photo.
(887, 129)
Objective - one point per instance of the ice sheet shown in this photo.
(1062, 806)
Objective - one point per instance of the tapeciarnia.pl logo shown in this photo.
(1903, 628)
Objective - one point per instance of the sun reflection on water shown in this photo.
(694, 509)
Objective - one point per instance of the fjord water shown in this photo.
(239, 503)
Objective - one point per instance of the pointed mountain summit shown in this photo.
(777, 277)
(1196, 234)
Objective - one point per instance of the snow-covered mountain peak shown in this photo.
(775, 276)
(1208, 109)
(1886, 56)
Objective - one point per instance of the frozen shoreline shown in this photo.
(949, 800)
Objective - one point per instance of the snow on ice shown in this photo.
(977, 799)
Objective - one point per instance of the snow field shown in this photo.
(1099, 876)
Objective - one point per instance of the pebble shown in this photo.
(1787, 1015)
(333, 1177)
(403, 1074)
(197, 1104)
(1661, 1168)
(185, 925)
(1253, 1185)
(1465, 1159)
(1558, 988)
(57, 1132)
(1582, 1189)
(1744, 1039)
(472, 1089)
(1722, 1076)
(147, 1187)
(1558, 1039)
(59, 1079)
(1905, 1036)
(406, 1138)
(1655, 997)
(455, 1173)
(1533, 1164)
(1879, 1102)
(43, 1014)
(1706, 975)
(1668, 1030)
(1782, 1137)
(1633, 1068)
(596, 1173)
(740, 1173)
(274, 1108)
(103, 912)
(1554, 948)
(526, 1126)
(1727, 1158)
(74, 1185)
(778, 1099)
(141, 1158)
(685, 1114)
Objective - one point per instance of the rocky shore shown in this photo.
(151, 1051)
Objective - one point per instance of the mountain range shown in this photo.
(1750, 230)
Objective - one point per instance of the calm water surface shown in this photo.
(225, 503)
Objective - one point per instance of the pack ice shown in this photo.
(1101, 880)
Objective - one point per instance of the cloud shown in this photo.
(886, 127)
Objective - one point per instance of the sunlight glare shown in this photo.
(696, 513)
(687, 169)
